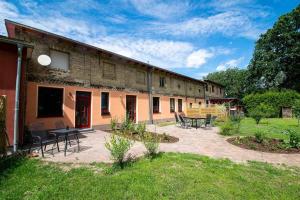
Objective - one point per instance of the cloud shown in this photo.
(198, 58)
(159, 9)
(229, 23)
(230, 64)
(201, 75)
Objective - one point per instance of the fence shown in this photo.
(215, 110)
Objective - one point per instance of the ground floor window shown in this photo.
(179, 105)
(50, 102)
(104, 103)
(172, 105)
(155, 104)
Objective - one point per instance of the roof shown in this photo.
(9, 23)
(213, 82)
(8, 40)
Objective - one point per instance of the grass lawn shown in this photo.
(169, 176)
(273, 127)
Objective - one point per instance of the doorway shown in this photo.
(83, 110)
(131, 107)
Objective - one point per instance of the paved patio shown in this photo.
(198, 141)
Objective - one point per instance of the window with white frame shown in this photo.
(59, 60)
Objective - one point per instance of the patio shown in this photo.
(198, 141)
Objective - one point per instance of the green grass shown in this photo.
(273, 127)
(161, 124)
(169, 176)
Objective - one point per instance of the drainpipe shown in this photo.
(149, 83)
(17, 95)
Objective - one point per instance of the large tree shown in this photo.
(233, 79)
(276, 58)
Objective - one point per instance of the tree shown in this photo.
(276, 58)
(233, 79)
(261, 111)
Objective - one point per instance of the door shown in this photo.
(131, 107)
(83, 110)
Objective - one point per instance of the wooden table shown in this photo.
(65, 133)
(195, 118)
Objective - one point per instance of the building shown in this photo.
(213, 91)
(86, 87)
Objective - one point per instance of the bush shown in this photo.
(118, 147)
(141, 129)
(228, 128)
(236, 119)
(296, 110)
(274, 99)
(259, 136)
(113, 124)
(294, 139)
(261, 111)
(127, 126)
(151, 144)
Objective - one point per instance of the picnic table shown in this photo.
(195, 118)
(65, 133)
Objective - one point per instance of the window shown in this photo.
(155, 104)
(207, 103)
(220, 91)
(213, 88)
(191, 105)
(162, 81)
(140, 77)
(179, 105)
(178, 86)
(50, 102)
(59, 60)
(109, 70)
(172, 105)
(104, 103)
(199, 90)
(206, 88)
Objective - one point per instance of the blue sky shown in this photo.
(189, 37)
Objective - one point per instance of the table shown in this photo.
(195, 118)
(65, 133)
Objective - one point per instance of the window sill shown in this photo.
(156, 112)
(41, 117)
(105, 114)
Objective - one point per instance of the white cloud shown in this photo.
(229, 64)
(159, 9)
(198, 58)
(201, 75)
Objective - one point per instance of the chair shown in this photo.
(184, 123)
(208, 120)
(178, 122)
(40, 136)
(213, 119)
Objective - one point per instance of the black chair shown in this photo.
(178, 122)
(208, 120)
(184, 122)
(213, 119)
(41, 137)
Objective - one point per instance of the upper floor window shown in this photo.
(178, 86)
(213, 88)
(179, 105)
(199, 90)
(59, 60)
(140, 77)
(220, 91)
(172, 105)
(155, 104)
(109, 70)
(50, 102)
(206, 88)
(162, 81)
(104, 103)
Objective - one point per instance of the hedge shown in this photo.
(275, 99)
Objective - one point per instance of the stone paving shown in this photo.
(198, 141)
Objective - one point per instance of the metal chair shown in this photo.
(178, 122)
(41, 137)
(213, 119)
(208, 120)
(184, 123)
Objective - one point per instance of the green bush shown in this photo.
(296, 110)
(261, 111)
(260, 136)
(274, 99)
(118, 147)
(127, 126)
(141, 129)
(294, 139)
(236, 120)
(228, 128)
(151, 144)
(113, 124)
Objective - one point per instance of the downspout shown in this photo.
(149, 83)
(17, 96)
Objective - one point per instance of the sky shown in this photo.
(193, 38)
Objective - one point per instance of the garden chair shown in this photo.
(184, 122)
(208, 121)
(41, 137)
(178, 122)
(213, 119)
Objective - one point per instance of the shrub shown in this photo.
(274, 99)
(259, 136)
(236, 119)
(296, 110)
(151, 144)
(113, 124)
(127, 126)
(227, 128)
(294, 139)
(141, 129)
(261, 111)
(118, 147)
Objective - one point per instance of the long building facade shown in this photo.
(87, 87)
